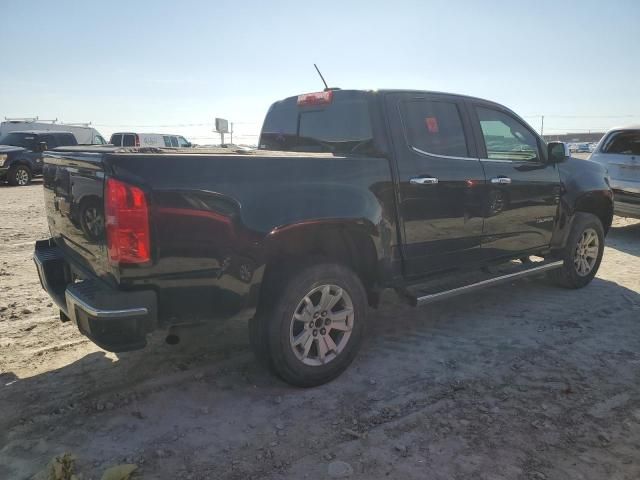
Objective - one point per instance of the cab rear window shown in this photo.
(341, 126)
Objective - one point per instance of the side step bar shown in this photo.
(419, 299)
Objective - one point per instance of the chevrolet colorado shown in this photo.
(350, 192)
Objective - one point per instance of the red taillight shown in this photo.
(137, 141)
(318, 98)
(127, 223)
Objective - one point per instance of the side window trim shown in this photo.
(439, 155)
(464, 120)
(482, 146)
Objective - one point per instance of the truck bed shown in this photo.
(211, 215)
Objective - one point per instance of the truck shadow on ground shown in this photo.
(625, 238)
(162, 391)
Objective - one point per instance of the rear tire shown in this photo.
(19, 176)
(311, 325)
(582, 254)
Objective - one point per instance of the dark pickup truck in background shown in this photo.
(21, 153)
(350, 192)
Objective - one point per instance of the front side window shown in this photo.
(183, 142)
(623, 143)
(434, 127)
(506, 138)
(167, 141)
(174, 142)
(99, 140)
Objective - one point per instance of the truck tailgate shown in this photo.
(74, 205)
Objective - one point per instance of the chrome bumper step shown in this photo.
(423, 294)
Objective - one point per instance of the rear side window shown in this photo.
(129, 141)
(342, 125)
(66, 139)
(434, 127)
(116, 140)
(50, 140)
(623, 143)
(174, 142)
(167, 140)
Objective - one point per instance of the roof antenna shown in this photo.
(326, 87)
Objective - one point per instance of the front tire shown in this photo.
(312, 324)
(19, 176)
(582, 254)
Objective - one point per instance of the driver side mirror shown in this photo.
(557, 152)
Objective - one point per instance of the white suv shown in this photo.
(619, 153)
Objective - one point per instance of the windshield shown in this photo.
(17, 139)
(342, 126)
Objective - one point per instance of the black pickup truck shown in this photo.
(350, 192)
(21, 153)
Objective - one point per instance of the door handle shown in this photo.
(423, 181)
(501, 180)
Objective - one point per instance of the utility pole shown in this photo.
(231, 133)
(542, 126)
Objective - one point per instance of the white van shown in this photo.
(159, 140)
(85, 134)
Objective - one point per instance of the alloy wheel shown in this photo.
(321, 325)
(22, 177)
(586, 253)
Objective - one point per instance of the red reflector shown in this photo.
(318, 98)
(127, 223)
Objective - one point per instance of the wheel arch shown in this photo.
(353, 243)
(598, 204)
(21, 161)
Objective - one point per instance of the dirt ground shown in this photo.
(523, 381)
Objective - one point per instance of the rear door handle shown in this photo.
(423, 181)
(501, 180)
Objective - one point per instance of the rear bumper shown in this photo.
(115, 320)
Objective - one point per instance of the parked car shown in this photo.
(160, 140)
(84, 134)
(583, 148)
(619, 153)
(351, 192)
(21, 153)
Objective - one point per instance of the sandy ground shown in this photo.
(523, 381)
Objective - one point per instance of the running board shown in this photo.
(418, 296)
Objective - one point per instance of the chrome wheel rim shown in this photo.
(22, 176)
(586, 252)
(321, 325)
